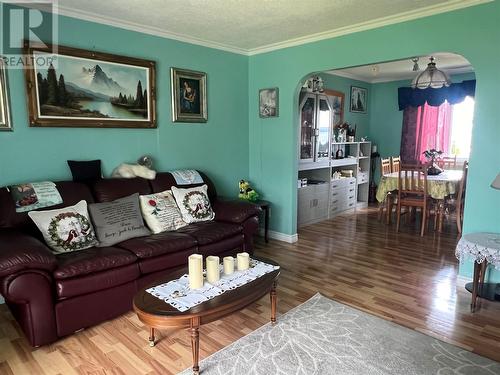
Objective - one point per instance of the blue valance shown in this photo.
(455, 93)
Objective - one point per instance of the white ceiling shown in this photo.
(254, 26)
(403, 69)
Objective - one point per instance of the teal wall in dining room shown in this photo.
(273, 142)
(219, 147)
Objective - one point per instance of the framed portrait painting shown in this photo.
(81, 88)
(269, 102)
(5, 121)
(358, 99)
(189, 95)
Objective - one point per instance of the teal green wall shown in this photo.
(386, 120)
(219, 147)
(343, 84)
(273, 142)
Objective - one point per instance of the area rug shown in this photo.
(322, 336)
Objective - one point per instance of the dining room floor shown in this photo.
(353, 258)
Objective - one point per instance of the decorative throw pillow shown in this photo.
(85, 170)
(161, 212)
(193, 203)
(66, 229)
(118, 220)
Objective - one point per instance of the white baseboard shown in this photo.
(289, 238)
(462, 280)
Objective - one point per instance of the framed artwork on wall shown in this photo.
(189, 95)
(5, 121)
(269, 102)
(359, 96)
(337, 100)
(81, 88)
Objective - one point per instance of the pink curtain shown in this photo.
(424, 128)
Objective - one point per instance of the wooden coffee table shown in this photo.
(156, 313)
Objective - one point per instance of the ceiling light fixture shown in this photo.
(416, 68)
(431, 77)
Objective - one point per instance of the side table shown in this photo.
(265, 206)
(483, 249)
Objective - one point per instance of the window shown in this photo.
(461, 128)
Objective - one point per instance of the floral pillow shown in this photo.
(66, 229)
(161, 212)
(194, 204)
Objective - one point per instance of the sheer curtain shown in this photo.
(425, 127)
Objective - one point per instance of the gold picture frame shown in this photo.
(5, 119)
(189, 96)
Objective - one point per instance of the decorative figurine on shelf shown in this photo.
(246, 192)
(431, 155)
(351, 133)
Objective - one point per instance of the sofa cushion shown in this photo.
(207, 232)
(158, 244)
(91, 260)
(166, 262)
(232, 245)
(108, 190)
(194, 204)
(165, 181)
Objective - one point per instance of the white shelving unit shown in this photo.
(327, 197)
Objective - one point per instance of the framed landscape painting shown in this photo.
(358, 99)
(5, 122)
(80, 88)
(189, 95)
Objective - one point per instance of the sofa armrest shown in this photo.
(19, 251)
(234, 211)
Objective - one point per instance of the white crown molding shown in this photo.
(288, 238)
(145, 29)
(372, 24)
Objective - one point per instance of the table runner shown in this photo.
(177, 293)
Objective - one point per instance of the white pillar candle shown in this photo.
(243, 261)
(213, 270)
(228, 265)
(195, 266)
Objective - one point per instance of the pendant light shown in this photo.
(431, 77)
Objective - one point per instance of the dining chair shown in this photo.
(447, 162)
(387, 204)
(395, 163)
(457, 202)
(412, 192)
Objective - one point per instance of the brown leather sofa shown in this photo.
(52, 296)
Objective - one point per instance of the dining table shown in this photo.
(439, 187)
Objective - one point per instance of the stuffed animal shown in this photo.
(246, 192)
(133, 170)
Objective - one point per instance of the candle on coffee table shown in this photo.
(228, 265)
(195, 267)
(243, 260)
(213, 270)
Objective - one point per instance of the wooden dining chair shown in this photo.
(387, 204)
(447, 162)
(457, 202)
(395, 163)
(412, 192)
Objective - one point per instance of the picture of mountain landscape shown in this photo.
(75, 87)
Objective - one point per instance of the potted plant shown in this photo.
(431, 155)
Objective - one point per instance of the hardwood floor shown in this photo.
(353, 259)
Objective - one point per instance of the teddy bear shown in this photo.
(246, 192)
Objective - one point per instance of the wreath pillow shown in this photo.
(161, 212)
(66, 229)
(194, 204)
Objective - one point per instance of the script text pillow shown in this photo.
(118, 220)
(66, 229)
(194, 204)
(161, 212)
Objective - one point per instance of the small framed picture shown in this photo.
(269, 102)
(189, 95)
(5, 123)
(358, 99)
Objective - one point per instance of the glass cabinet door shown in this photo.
(307, 129)
(324, 121)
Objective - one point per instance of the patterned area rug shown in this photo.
(322, 336)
